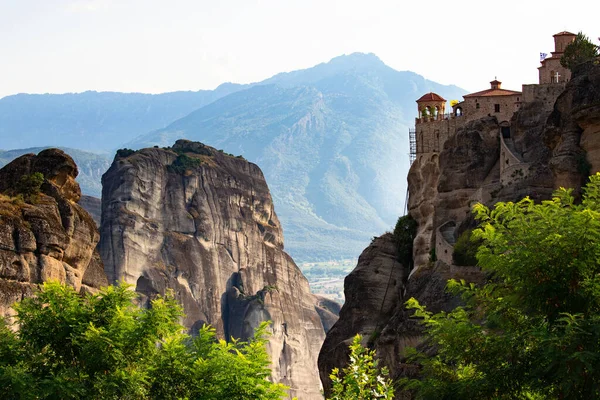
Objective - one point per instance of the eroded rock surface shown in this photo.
(573, 128)
(372, 291)
(93, 206)
(200, 222)
(53, 238)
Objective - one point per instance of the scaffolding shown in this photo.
(412, 138)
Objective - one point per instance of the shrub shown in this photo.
(183, 163)
(105, 347)
(532, 331)
(404, 235)
(29, 186)
(122, 153)
(465, 249)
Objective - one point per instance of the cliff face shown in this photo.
(192, 219)
(373, 291)
(543, 148)
(375, 294)
(573, 128)
(54, 238)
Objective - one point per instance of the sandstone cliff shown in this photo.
(200, 222)
(573, 127)
(53, 238)
(93, 206)
(544, 147)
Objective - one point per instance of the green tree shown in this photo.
(533, 330)
(360, 379)
(578, 52)
(105, 347)
(404, 235)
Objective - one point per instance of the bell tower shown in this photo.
(431, 107)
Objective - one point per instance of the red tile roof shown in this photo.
(492, 92)
(564, 33)
(431, 97)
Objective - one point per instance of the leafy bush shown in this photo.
(105, 347)
(404, 235)
(29, 186)
(361, 379)
(122, 153)
(465, 249)
(183, 162)
(533, 331)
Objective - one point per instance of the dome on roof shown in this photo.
(565, 33)
(431, 97)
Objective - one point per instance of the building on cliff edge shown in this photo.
(434, 126)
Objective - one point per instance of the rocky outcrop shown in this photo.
(200, 222)
(573, 128)
(51, 237)
(542, 148)
(375, 294)
(372, 291)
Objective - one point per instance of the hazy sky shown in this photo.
(153, 46)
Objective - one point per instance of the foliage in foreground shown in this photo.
(360, 379)
(533, 331)
(105, 347)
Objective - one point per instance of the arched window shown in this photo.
(458, 112)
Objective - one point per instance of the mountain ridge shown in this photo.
(328, 141)
(331, 139)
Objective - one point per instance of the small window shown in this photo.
(477, 106)
(496, 107)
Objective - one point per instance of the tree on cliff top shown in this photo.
(533, 331)
(105, 347)
(578, 51)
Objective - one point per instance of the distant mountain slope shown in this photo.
(94, 120)
(91, 166)
(332, 141)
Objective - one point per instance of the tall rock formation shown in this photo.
(53, 238)
(573, 128)
(200, 222)
(548, 145)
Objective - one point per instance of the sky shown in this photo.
(151, 46)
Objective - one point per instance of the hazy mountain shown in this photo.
(91, 166)
(332, 141)
(94, 120)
